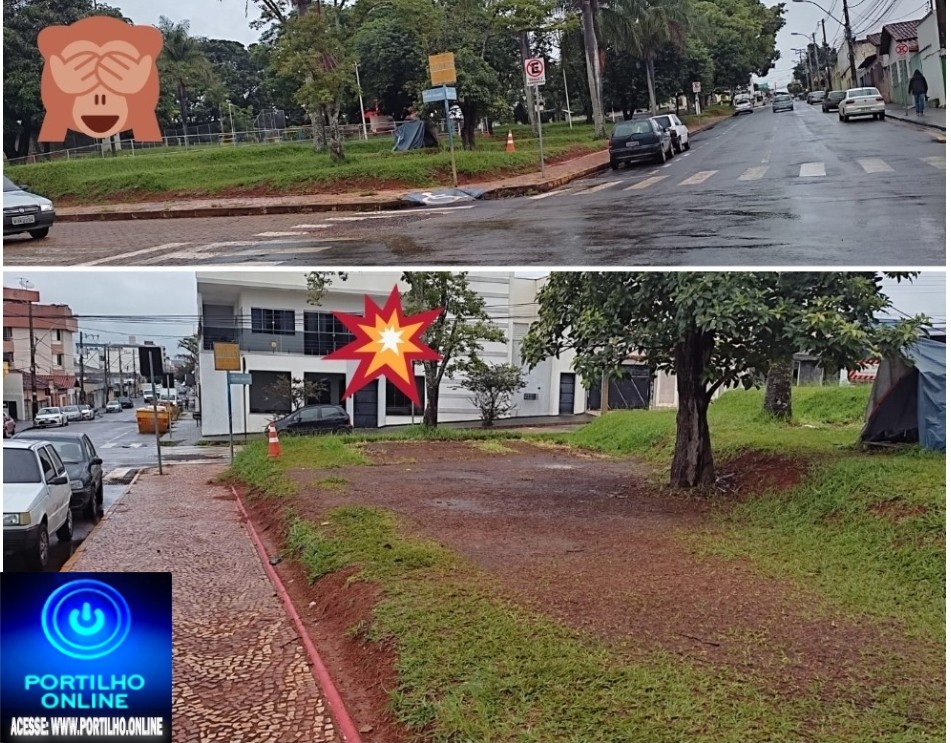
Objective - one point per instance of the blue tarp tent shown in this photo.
(413, 135)
(907, 404)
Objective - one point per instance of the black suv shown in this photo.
(639, 139)
(82, 463)
(314, 419)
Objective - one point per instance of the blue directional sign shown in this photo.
(235, 378)
(435, 95)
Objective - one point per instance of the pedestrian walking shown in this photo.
(918, 87)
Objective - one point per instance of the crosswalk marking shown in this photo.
(547, 194)
(754, 174)
(311, 226)
(134, 254)
(937, 161)
(812, 170)
(280, 234)
(601, 187)
(698, 177)
(875, 165)
(646, 183)
(202, 251)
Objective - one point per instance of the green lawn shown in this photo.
(863, 533)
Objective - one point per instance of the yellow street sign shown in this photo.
(227, 357)
(442, 68)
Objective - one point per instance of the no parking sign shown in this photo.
(535, 71)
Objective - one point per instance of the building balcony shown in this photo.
(305, 343)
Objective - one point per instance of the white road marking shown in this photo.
(600, 187)
(812, 170)
(311, 226)
(280, 234)
(646, 183)
(874, 165)
(754, 174)
(697, 178)
(134, 253)
(202, 251)
(937, 161)
(547, 194)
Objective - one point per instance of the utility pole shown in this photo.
(33, 401)
(82, 371)
(815, 53)
(105, 371)
(850, 41)
(825, 54)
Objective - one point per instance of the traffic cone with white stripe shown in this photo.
(510, 144)
(273, 443)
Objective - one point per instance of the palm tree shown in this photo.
(184, 63)
(642, 27)
(592, 58)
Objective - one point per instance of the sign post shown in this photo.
(234, 378)
(150, 359)
(535, 76)
(442, 71)
(228, 359)
(696, 96)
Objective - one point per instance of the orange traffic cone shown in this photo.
(510, 144)
(273, 443)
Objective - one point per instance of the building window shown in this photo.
(58, 336)
(324, 334)
(398, 403)
(7, 333)
(58, 359)
(530, 396)
(269, 392)
(8, 357)
(272, 322)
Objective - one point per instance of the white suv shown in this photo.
(742, 105)
(36, 495)
(50, 417)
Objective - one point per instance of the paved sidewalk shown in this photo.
(933, 117)
(241, 674)
(519, 185)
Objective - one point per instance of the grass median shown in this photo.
(862, 533)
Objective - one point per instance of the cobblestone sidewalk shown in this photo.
(240, 672)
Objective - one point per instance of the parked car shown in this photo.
(782, 102)
(72, 412)
(679, 136)
(639, 139)
(126, 402)
(832, 100)
(50, 417)
(113, 406)
(315, 419)
(9, 426)
(862, 102)
(742, 105)
(36, 495)
(25, 212)
(82, 463)
(88, 412)
(815, 96)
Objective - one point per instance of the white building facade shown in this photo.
(281, 336)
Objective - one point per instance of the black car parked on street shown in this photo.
(83, 465)
(315, 419)
(636, 140)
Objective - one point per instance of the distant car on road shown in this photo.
(50, 417)
(862, 102)
(815, 96)
(640, 139)
(36, 495)
(73, 413)
(82, 463)
(88, 412)
(832, 100)
(679, 136)
(9, 426)
(742, 105)
(315, 419)
(126, 402)
(25, 212)
(782, 102)
(113, 406)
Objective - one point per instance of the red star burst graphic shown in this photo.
(387, 343)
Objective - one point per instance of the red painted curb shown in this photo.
(334, 701)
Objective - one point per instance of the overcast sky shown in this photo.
(165, 306)
(230, 19)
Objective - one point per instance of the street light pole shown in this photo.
(825, 54)
(815, 54)
(33, 401)
(363, 116)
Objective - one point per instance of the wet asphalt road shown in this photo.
(794, 188)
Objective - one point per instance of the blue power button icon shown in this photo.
(86, 619)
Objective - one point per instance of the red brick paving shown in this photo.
(240, 672)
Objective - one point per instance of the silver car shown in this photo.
(72, 412)
(25, 212)
(782, 102)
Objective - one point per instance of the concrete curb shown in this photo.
(68, 565)
(344, 722)
(254, 210)
(915, 122)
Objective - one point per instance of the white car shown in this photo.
(36, 495)
(862, 102)
(679, 136)
(72, 413)
(742, 105)
(88, 412)
(50, 417)
(113, 406)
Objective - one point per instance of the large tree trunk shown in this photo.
(692, 465)
(650, 83)
(592, 63)
(529, 100)
(431, 413)
(336, 141)
(777, 402)
(470, 118)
